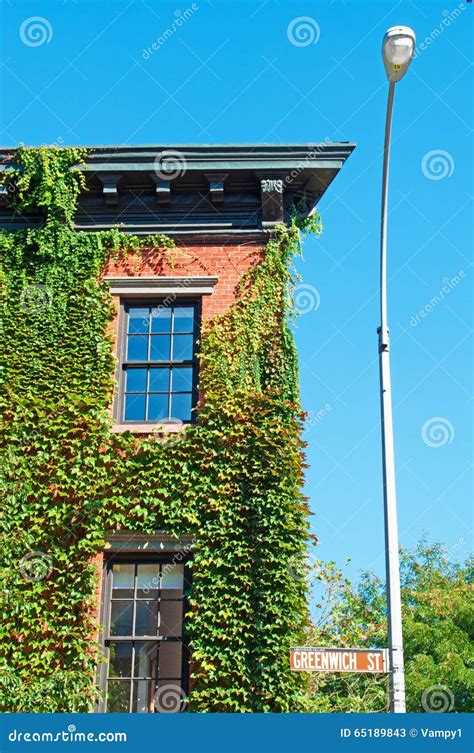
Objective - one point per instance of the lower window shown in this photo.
(147, 657)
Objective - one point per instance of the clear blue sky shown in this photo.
(231, 73)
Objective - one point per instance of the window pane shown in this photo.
(148, 580)
(138, 320)
(134, 407)
(146, 621)
(182, 348)
(141, 696)
(159, 380)
(182, 380)
(121, 614)
(172, 577)
(181, 406)
(118, 696)
(160, 348)
(161, 319)
(171, 614)
(120, 660)
(170, 659)
(122, 581)
(136, 380)
(146, 659)
(183, 319)
(157, 407)
(137, 348)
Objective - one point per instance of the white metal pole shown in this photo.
(392, 565)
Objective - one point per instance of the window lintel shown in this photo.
(175, 286)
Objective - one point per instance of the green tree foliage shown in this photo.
(438, 631)
(233, 481)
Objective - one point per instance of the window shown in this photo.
(147, 660)
(158, 380)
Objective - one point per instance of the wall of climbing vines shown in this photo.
(233, 482)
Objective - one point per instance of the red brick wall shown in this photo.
(228, 263)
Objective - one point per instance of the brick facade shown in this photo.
(228, 263)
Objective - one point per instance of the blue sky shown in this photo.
(247, 72)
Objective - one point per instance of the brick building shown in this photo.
(220, 204)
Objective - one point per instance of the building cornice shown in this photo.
(197, 193)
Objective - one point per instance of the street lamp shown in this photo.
(397, 51)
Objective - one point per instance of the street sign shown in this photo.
(309, 659)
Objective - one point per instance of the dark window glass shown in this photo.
(146, 600)
(171, 618)
(182, 380)
(148, 581)
(161, 319)
(136, 380)
(146, 659)
(146, 620)
(137, 348)
(142, 699)
(159, 380)
(172, 581)
(123, 581)
(171, 653)
(121, 618)
(138, 320)
(182, 347)
(160, 348)
(120, 660)
(183, 320)
(135, 405)
(157, 337)
(158, 406)
(118, 696)
(181, 405)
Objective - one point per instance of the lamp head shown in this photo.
(398, 47)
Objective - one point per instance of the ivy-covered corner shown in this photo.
(233, 482)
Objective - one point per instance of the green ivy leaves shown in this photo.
(233, 482)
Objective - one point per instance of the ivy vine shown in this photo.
(233, 482)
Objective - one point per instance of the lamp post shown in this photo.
(397, 52)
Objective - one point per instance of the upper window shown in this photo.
(159, 374)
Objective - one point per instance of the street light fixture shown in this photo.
(397, 51)
(398, 47)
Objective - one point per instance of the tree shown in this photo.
(438, 628)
